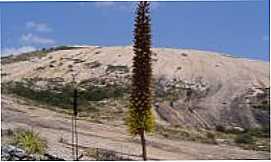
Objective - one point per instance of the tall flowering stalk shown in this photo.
(140, 118)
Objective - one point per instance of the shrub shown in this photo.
(184, 54)
(7, 132)
(40, 68)
(264, 105)
(25, 56)
(92, 152)
(35, 54)
(62, 96)
(220, 128)
(245, 139)
(97, 52)
(122, 68)
(211, 137)
(63, 48)
(179, 68)
(62, 140)
(30, 141)
(70, 66)
(186, 134)
(47, 96)
(94, 93)
(259, 132)
(93, 64)
(266, 131)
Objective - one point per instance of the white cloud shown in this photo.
(40, 27)
(16, 51)
(34, 39)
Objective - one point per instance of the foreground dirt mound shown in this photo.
(193, 88)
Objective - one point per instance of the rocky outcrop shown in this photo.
(13, 153)
(205, 89)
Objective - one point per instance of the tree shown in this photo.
(140, 118)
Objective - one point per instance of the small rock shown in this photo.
(238, 129)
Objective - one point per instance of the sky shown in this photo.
(238, 28)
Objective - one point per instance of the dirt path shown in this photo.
(54, 126)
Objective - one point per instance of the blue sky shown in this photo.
(239, 28)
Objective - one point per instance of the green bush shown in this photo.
(63, 96)
(259, 132)
(63, 48)
(245, 138)
(211, 137)
(30, 141)
(60, 98)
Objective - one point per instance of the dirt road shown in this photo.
(55, 127)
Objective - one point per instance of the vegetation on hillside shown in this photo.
(251, 139)
(61, 96)
(30, 55)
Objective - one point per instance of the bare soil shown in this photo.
(56, 127)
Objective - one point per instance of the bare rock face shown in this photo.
(192, 88)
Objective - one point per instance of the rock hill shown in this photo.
(192, 88)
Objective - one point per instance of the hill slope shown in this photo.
(192, 88)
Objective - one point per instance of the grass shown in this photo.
(251, 139)
(91, 152)
(245, 139)
(255, 139)
(30, 141)
(178, 133)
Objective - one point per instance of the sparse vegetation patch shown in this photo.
(245, 139)
(186, 134)
(30, 55)
(93, 64)
(61, 95)
(114, 68)
(30, 141)
(23, 57)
